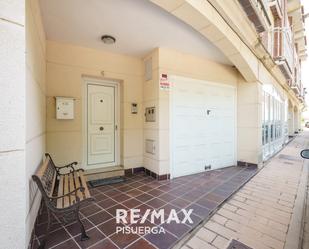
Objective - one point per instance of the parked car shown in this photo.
(305, 154)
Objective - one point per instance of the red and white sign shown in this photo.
(164, 82)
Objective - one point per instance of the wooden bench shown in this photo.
(62, 192)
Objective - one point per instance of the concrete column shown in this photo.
(249, 122)
(151, 161)
(296, 120)
(291, 120)
(12, 124)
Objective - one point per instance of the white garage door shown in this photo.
(203, 125)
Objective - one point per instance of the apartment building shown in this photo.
(280, 25)
(171, 88)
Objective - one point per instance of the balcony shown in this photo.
(276, 8)
(301, 98)
(256, 11)
(283, 51)
(296, 88)
(302, 92)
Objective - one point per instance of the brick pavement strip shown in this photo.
(260, 214)
(305, 242)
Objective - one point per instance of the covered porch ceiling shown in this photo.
(138, 26)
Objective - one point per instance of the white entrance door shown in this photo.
(101, 126)
(203, 126)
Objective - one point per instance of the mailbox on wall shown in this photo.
(150, 114)
(64, 108)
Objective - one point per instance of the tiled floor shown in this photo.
(263, 213)
(202, 192)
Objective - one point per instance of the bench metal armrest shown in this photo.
(58, 168)
(70, 166)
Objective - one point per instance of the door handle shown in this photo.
(101, 128)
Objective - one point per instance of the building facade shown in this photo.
(188, 86)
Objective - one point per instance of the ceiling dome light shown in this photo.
(107, 39)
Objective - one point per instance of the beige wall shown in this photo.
(35, 107)
(297, 118)
(173, 62)
(151, 99)
(291, 120)
(249, 122)
(66, 64)
(12, 125)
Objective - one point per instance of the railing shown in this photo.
(257, 13)
(262, 5)
(276, 5)
(284, 46)
(267, 39)
(297, 85)
(297, 73)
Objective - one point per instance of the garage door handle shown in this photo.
(101, 128)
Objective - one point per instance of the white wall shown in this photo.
(172, 62)
(35, 107)
(12, 124)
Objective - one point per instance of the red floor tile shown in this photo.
(74, 228)
(109, 227)
(90, 210)
(162, 240)
(122, 240)
(134, 192)
(107, 203)
(144, 197)
(201, 192)
(95, 236)
(99, 217)
(156, 203)
(132, 203)
(69, 244)
(141, 244)
(104, 244)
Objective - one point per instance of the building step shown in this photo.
(104, 173)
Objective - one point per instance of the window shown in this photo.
(273, 121)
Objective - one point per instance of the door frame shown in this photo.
(108, 83)
(171, 115)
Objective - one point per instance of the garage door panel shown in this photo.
(203, 116)
(182, 157)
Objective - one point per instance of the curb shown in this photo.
(295, 231)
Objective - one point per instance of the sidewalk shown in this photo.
(305, 242)
(265, 213)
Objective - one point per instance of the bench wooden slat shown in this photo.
(77, 184)
(60, 192)
(72, 187)
(84, 184)
(66, 201)
(43, 168)
(53, 185)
